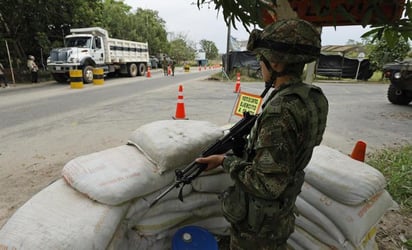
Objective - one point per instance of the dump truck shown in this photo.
(89, 48)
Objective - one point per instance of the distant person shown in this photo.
(164, 66)
(33, 68)
(3, 76)
(172, 66)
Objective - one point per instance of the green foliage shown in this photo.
(148, 26)
(210, 49)
(143, 25)
(396, 165)
(381, 53)
(37, 28)
(33, 27)
(180, 50)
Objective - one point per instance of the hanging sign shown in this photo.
(247, 102)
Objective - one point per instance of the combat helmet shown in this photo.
(289, 41)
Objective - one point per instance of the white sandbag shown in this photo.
(353, 221)
(304, 239)
(208, 211)
(369, 242)
(114, 175)
(339, 176)
(58, 217)
(294, 245)
(314, 215)
(317, 232)
(126, 238)
(151, 226)
(190, 202)
(141, 205)
(174, 144)
(212, 183)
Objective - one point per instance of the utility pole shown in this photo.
(225, 69)
(11, 65)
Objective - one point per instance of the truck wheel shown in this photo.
(60, 78)
(397, 96)
(88, 74)
(142, 69)
(132, 70)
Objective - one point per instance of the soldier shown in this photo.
(268, 177)
(32, 66)
(165, 65)
(172, 66)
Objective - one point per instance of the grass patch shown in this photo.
(396, 165)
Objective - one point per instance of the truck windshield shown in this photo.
(81, 42)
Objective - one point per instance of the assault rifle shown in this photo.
(194, 169)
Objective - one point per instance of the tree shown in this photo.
(142, 25)
(35, 28)
(181, 50)
(209, 48)
(117, 19)
(381, 53)
(148, 26)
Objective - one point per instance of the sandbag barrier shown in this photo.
(103, 198)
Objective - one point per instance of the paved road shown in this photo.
(358, 111)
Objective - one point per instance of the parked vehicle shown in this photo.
(88, 48)
(154, 62)
(400, 75)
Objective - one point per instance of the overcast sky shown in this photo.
(183, 18)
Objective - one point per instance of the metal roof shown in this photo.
(340, 48)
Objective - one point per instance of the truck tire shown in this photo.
(142, 69)
(88, 74)
(397, 96)
(132, 70)
(60, 78)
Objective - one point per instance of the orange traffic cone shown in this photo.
(180, 106)
(237, 86)
(358, 152)
(148, 72)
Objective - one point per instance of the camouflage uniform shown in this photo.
(269, 176)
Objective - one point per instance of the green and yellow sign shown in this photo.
(247, 102)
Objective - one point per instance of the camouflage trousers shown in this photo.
(272, 236)
(244, 241)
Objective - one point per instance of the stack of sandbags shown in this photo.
(341, 202)
(170, 145)
(103, 201)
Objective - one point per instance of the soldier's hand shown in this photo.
(212, 161)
